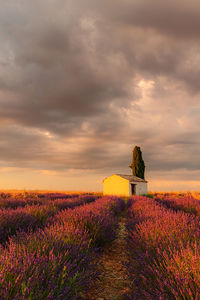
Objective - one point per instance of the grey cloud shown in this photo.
(70, 68)
(179, 19)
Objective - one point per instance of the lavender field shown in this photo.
(52, 244)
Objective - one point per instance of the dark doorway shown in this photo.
(133, 189)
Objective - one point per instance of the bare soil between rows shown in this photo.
(113, 282)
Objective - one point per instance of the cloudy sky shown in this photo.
(82, 82)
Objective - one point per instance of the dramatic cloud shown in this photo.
(82, 82)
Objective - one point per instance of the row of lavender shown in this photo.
(187, 203)
(11, 200)
(164, 251)
(35, 216)
(58, 262)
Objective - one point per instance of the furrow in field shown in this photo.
(113, 282)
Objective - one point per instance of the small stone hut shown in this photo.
(124, 185)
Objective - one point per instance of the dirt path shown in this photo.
(113, 281)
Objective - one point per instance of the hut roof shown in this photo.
(130, 178)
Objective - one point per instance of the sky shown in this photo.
(83, 82)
